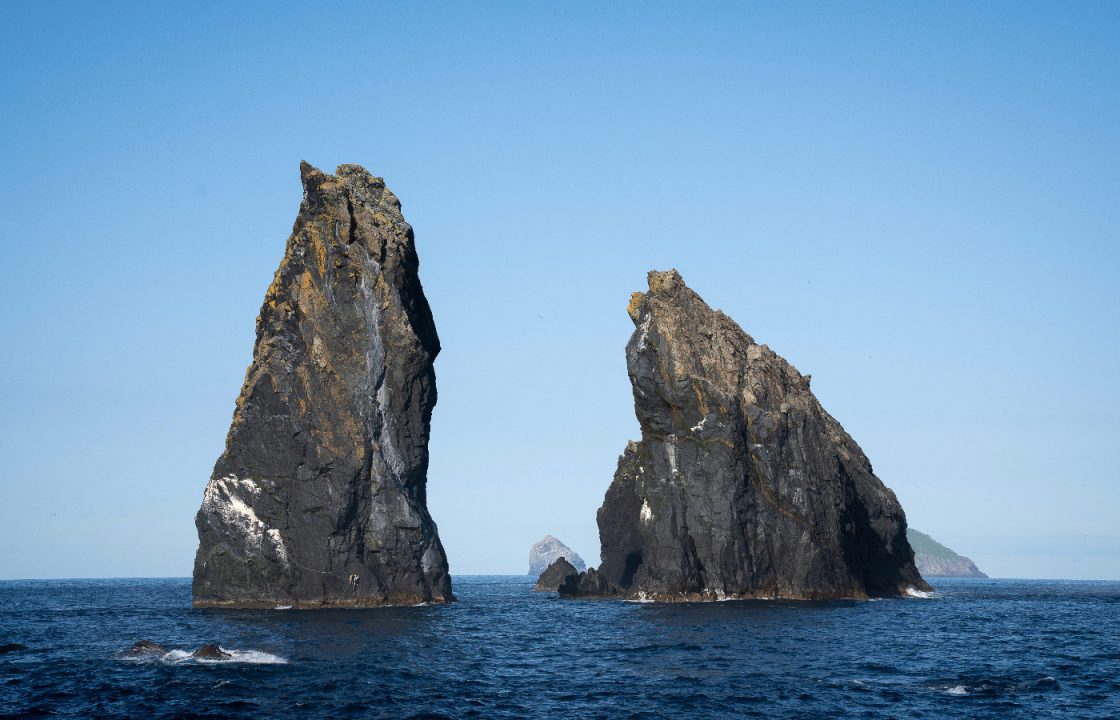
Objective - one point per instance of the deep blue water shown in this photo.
(976, 649)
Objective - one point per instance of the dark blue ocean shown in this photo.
(975, 649)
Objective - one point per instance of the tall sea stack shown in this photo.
(319, 499)
(742, 486)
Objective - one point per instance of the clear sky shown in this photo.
(916, 203)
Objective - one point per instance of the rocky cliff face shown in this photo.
(320, 496)
(547, 551)
(742, 486)
(935, 560)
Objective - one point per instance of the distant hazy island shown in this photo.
(935, 560)
(547, 551)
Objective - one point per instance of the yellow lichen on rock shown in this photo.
(635, 303)
(661, 280)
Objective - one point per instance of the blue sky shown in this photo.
(915, 204)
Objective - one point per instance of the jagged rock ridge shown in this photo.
(547, 551)
(320, 496)
(742, 486)
(935, 560)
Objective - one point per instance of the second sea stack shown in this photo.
(320, 498)
(742, 486)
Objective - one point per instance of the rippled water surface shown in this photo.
(977, 648)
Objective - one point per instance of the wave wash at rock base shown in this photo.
(319, 499)
(742, 485)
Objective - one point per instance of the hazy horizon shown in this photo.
(916, 205)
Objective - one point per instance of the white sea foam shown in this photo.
(956, 690)
(916, 593)
(243, 657)
(176, 656)
(282, 607)
(641, 597)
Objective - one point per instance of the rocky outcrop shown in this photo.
(555, 575)
(742, 486)
(145, 648)
(212, 651)
(320, 496)
(935, 560)
(547, 551)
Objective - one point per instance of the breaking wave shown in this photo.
(996, 686)
(244, 657)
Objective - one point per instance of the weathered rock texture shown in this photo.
(935, 560)
(548, 551)
(320, 496)
(555, 575)
(742, 486)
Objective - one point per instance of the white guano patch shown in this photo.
(278, 544)
(643, 332)
(646, 513)
(224, 497)
(700, 425)
(671, 456)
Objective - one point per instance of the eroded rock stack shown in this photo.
(742, 486)
(320, 496)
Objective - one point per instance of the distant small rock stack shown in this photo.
(547, 551)
(742, 486)
(320, 498)
(935, 560)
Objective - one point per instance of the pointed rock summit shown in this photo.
(742, 486)
(320, 496)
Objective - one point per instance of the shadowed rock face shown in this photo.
(554, 575)
(320, 496)
(742, 486)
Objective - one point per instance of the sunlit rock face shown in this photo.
(320, 496)
(741, 486)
